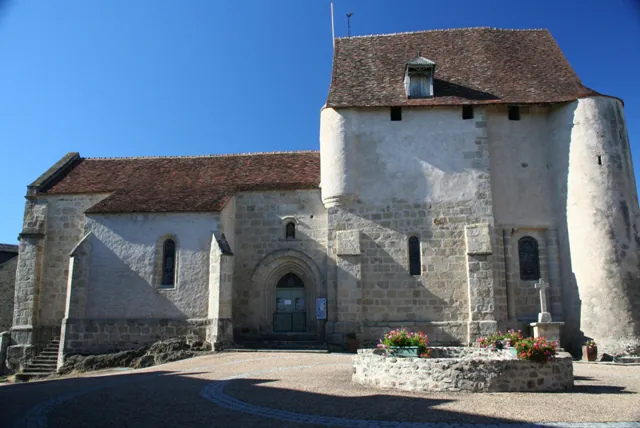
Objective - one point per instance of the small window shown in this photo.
(467, 112)
(528, 256)
(414, 256)
(514, 113)
(168, 263)
(290, 231)
(396, 114)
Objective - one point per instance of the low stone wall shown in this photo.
(462, 369)
(103, 336)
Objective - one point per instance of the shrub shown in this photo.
(403, 337)
(536, 349)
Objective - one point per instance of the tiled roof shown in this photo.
(183, 184)
(473, 66)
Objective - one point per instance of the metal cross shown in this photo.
(542, 285)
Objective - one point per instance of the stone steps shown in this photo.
(45, 364)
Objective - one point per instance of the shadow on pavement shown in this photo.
(180, 399)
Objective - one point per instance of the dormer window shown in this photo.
(418, 79)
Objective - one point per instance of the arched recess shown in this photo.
(266, 276)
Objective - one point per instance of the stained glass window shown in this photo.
(529, 259)
(168, 263)
(414, 256)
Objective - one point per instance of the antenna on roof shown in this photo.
(333, 29)
(349, 15)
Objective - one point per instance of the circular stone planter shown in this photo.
(462, 369)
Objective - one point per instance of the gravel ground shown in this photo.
(262, 389)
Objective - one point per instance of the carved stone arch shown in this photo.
(266, 276)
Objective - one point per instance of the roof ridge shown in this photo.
(204, 156)
(443, 29)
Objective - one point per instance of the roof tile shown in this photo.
(473, 66)
(181, 184)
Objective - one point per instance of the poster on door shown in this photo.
(321, 308)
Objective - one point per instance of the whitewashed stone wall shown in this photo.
(260, 232)
(7, 292)
(472, 371)
(596, 189)
(424, 176)
(523, 202)
(123, 265)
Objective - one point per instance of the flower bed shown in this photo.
(462, 369)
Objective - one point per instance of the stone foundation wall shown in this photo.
(102, 336)
(472, 370)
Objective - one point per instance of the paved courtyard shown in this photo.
(290, 390)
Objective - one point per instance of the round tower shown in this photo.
(338, 163)
(603, 224)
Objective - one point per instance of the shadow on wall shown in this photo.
(117, 291)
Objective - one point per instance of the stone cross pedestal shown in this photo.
(544, 315)
(545, 327)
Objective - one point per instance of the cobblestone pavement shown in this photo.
(290, 390)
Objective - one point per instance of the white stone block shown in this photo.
(478, 239)
(348, 243)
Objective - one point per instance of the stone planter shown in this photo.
(589, 353)
(458, 369)
(353, 345)
(404, 351)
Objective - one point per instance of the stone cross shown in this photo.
(544, 315)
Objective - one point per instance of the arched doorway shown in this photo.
(291, 313)
(274, 268)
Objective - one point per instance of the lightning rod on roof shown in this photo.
(333, 29)
(349, 15)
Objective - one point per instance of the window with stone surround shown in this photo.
(528, 255)
(166, 262)
(415, 262)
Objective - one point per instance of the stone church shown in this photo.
(457, 168)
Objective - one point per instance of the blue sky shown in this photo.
(160, 77)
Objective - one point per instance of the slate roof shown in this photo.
(473, 66)
(184, 184)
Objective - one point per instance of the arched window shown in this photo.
(290, 230)
(529, 259)
(414, 256)
(168, 263)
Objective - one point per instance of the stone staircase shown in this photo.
(45, 364)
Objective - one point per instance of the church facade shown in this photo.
(457, 169)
